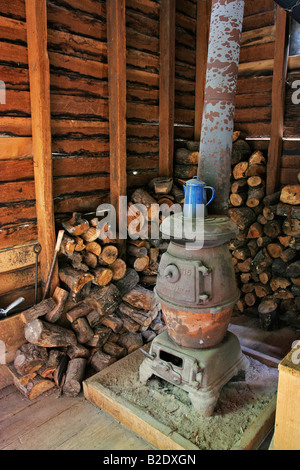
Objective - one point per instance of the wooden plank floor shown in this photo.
(52, 422)
(60, 423)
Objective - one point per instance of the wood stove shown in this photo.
(196, 289)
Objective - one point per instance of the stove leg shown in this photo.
(204, 402)
(145, 371)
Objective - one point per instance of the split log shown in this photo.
(79, 244)
(94, 318)
(108, 255)
(75, 280)
(94, 248)
(129, 324)
(29, 358)
(290, 194)
(48, 335)
(84, 332)
(255, 170)
(102, 276)
(139, 316)
(74, 377)
(178, 194)
(131, 341)
(262, 261)
(291, 227)
(274, 250)
(148, 280)
(114, 350)
(257, 158)
(21, 379)
(279, 283)
(136, 220)
(101, 336)
(250, 299)
(59, 375)
(293, 269)
(240, 169)
(288, 255)
(238, 199)
(279, 267)
(140, 196)
(104, 300)
(139, 264)
(255, 195)
(35, 387)
(184, 156)
(113, 322)
(136, 251)
(240, 151)
(101, 360)
(141, 298)
(148, 336)
(265, 276)
(118, 269)
(77, 262)
(239, 186)
(67, 246)
(185, 171)
(272, 199)
(245, 278)
(38, 310)
(272, 228)
(242, 216)
(91, 234)
(262, 290)
(262, 242)
(245, 266)
(48, 369)
(80, 310)
(91, 260)
(255, 182)
(129, 281)
(60, 297)
(78, 350)
(76, 225)
(286, 210)
(255, 231)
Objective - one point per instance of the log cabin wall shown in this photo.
(17, 209)
(77, 47)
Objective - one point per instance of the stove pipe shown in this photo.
(219, 101)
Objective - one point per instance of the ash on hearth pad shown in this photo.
(168, 409)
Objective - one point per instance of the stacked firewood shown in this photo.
(143, 250)
(266, 251)
(68, 341)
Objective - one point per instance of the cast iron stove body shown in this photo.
(197, 290)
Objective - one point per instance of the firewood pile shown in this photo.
(144, 253)
(266, 252)
(67, 341)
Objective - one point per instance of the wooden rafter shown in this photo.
(278, 101)
(167, 87)
(39, 76)
(116, 43)
(203, 26)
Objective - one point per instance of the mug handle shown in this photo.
(213, 194)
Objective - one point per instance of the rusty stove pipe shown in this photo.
(219, 101)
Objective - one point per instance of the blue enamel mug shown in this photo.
(195, 194)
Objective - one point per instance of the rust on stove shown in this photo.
(200, 330)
